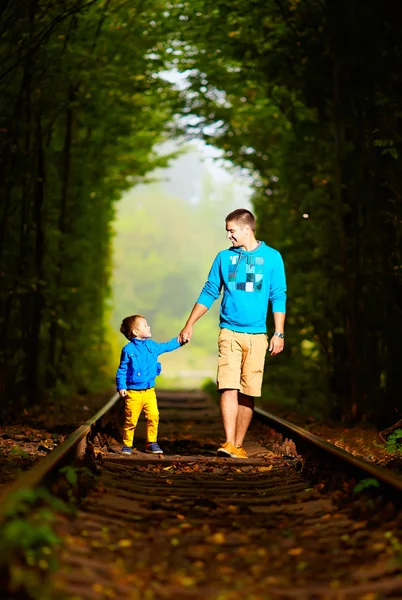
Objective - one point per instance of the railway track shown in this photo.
(285, 523)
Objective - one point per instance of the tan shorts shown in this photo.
(241, 361)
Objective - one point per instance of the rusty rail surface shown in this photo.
(359, 464)
(194, 521)
(281, 524)
(73, 444)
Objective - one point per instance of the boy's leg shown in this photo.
(132, 411)
(151, 414)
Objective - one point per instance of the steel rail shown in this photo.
(41, 469)
(77, 439)
(380, 473)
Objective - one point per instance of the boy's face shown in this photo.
(142, 330)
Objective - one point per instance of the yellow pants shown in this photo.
(136, 401)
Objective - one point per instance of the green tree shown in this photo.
(301, 95)
(164, 247)
(81, 111)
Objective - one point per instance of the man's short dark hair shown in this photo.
(243, 217)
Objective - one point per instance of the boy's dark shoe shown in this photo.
(153, 448)
(126, 450)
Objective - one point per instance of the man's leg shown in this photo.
(254, 350)
(228, 380)
(244, 416)
(229, 412)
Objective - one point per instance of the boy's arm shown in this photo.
(121, 375)
(163, 347)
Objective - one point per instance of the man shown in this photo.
(251, 274)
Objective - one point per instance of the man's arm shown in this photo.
(198, 311)
(278, 299)
(276, 343)
(209, 293)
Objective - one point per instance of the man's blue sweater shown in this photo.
(139, 364)
(249, 281)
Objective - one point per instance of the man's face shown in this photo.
(236, 234)
(142, 330)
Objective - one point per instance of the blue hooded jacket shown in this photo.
(250, 280)
(139, 364)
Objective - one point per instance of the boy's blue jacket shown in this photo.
(250, 280)
(139, 363)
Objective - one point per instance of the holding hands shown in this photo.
(185, 334)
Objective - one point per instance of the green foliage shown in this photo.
(395, 545)
(28, 541)
(20, 452)
(70, 474)
(73, 484)
(164, 246)
(209, 387)
(394, 442)
(316, 122)
(81, 110)
(366, 484)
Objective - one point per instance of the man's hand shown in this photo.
(122, 393)
(185, 334)
(276, 345)
(187, 331)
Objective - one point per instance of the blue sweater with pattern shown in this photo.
(249, 280)
(139, 364)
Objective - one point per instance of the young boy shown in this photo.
(135, 380)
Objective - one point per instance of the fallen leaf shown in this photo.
(272, 580)
(295, 551)
(378, 546)
(217, 538)
(125, 543)
(360, 525)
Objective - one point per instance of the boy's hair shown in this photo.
(243, 217)
(128, 324)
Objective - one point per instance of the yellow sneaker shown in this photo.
(240, 452)
(227, 450)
